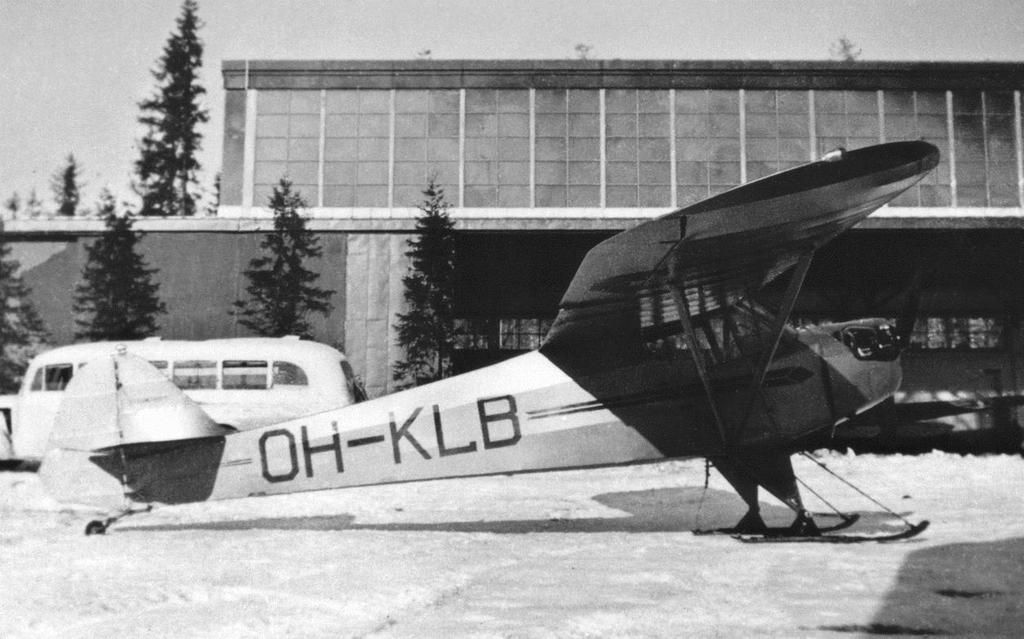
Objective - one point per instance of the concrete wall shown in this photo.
(375, 265)
(200, 276)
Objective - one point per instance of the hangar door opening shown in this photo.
(508, 286)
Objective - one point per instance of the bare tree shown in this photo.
(844, 49)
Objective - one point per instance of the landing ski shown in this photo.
(770, 538)
(845, 522)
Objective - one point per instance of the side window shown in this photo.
(37, 380)
(245, 374)
(195, 374)
(288, 374)
(161, 365)
(57, 376)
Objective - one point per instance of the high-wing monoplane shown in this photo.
(660, 349)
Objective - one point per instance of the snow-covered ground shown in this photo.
(599, 553)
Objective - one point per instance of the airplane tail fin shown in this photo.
(114, 410)
(123, 399)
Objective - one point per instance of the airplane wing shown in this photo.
(720, 250)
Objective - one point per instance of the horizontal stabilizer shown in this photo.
(122, 399)
(74, 477)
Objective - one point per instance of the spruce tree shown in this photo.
(214, 203)
(21, 330)
(33, 205)
(66, 187)
(281, 290)
(117, 298)
(167, 165)
(427, 331)
(12, 204)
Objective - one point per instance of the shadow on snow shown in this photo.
(972, 589)
(655, 510)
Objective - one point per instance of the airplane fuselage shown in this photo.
(525, 414)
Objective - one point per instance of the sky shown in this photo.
(72, 72)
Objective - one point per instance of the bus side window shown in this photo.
(57, 376)
(244, 374)
(195, 374)
(161, 365)
(288, 374)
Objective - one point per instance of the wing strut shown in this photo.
(796, 282)
(679, 297)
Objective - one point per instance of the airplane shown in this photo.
(660, 350)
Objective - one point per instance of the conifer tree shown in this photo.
(167, 165)
(33, 205)
(12, 204)
(66, 187)
(282, 291)
(214, 203)
(117, 298)
(21, 330)
(427, 331)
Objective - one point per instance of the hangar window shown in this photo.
(969, 134)
(356, 147)
(507, 334)
(961, 333)
(287, 143)
(473, 333)
(638, 172)
(1000, 149)
(985, 148)
(426, 143)
(777, 131)
(522, 334)
(497, 152)
(845, 118)
(920, 115)
(707, 143)
(568, 153)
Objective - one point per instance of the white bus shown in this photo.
(242, 383)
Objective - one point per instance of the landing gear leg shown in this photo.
(100, 526)
(746, 488)
(774, 472)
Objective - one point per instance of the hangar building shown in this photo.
(540, 160)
